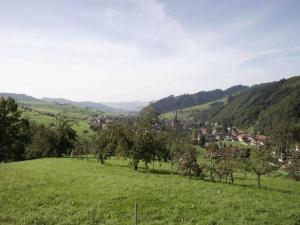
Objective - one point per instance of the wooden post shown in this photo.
(136, 214)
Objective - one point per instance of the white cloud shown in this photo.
(129, 52)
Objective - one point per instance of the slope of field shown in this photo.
(73, 191)
(189, 112)
(44, 112)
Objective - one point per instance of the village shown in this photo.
(210, 132)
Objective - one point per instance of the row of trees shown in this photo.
(143, 140)
(21, 139)
(223, 162)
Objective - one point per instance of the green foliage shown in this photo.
(262, 162)
(104, 144)
(14, 131)
(222, 162)
(187, 160)
(52, 141)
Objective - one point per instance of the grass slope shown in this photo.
(44, 112)
(71, 191)
(187, 113)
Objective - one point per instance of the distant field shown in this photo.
(187, 113)
(238, 144)
(73, 191)
(43, 112)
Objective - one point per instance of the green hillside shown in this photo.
(44, 112)
(265, 105)
(189, 112)
(71, 191)
(172, 103)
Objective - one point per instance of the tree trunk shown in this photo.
(101, 159)
(135, 167)
(211, 170)
(258, 181)
(232, 179)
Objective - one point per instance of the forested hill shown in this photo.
(263, 106)
(20, 97)
(187, 100)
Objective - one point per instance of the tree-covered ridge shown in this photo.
(263, 106)
(183, 101)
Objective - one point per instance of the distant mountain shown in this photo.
(20, 97)
(187, 100)
(84, 104)
(128, 106)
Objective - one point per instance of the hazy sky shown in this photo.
(123, 50)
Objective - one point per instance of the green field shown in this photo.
(187, 113)
(80, 191)
(44, 112)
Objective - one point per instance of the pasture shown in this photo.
(82, 191)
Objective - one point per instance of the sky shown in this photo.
(143, 50)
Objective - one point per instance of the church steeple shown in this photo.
(175, 123)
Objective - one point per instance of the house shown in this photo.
(261, 139)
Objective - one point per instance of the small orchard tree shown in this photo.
(101, 143)
(187, 160)
(212, 151)
(244, 161)
(262, 162)
(293, 167)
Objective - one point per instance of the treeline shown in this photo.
(144, 140)
(172, 102)
(21, 139)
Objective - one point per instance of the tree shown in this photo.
(211, 150)
(262, 162)
(244, 160)
(14, 131)
(202, 141)
(65, 134)
(43, 143)
(188, 160)
(293, 167)
(145, 137)
(102, 142)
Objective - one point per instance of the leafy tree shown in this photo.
(65, 134)
(293, 167)
(244, 160)
(262, 162)
(44, 142)
(102, 141)
(188, 160)
(14, 131)
(211, 150)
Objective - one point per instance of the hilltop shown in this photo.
(261, 106)
(188, 100)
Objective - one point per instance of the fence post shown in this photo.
(136, 214)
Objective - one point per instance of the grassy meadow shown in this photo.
(82, 191)
(43, 112)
